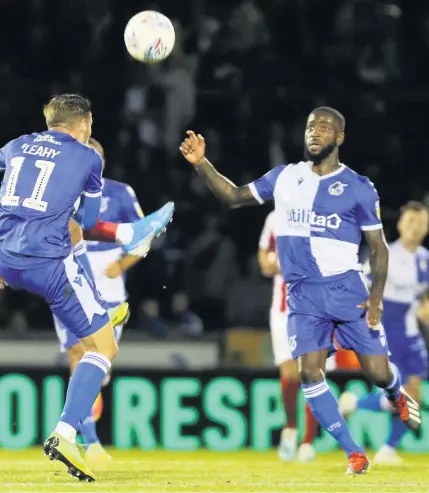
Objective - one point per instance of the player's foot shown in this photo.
(96, 453)
(59, 448)
(408, 410)
(388, 455)
(306, 453)
(120, 314)
(148, 228)
(358, 463)
(347, 403)
(288, 444)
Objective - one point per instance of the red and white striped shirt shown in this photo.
(267, 241)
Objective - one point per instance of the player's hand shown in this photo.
(374, 309)
(114, 270)
(193, 147)
(2, 283)
(272, 266)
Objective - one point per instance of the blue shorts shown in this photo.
(67, 289)
(66, 337)
(410, 356)
(319, 311)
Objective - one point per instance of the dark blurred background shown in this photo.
(245, 74)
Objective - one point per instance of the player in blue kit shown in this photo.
(45, 175)
(107, 264)
(407, 279)
(321, 207)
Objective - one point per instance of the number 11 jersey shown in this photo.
(45, 175)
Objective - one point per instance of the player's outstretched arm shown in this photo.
(193, 149)
(379, 262)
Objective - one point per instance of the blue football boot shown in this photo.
(148, 228)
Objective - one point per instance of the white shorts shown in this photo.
(112, 290)
(279, 337)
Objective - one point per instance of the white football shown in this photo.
(149, 37)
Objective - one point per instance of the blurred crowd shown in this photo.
(245, 74)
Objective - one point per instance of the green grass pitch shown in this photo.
(203, 471)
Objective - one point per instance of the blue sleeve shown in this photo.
(88, 211)
(92, 186)
(130, 210)
(263, 188)
(368, 207)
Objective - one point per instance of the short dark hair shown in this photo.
(333, 112)
(413, 205)
(65, 109)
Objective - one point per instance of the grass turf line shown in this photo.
(204, 471)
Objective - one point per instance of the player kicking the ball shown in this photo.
(289, 374)
(45, 175)
(106, 264)
(321, 207)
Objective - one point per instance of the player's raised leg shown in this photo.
(146, 229)
(369, 342)
(386, 376)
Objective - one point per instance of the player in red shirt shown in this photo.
(290, 381)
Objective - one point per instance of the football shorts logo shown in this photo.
(337, 188)
(377, 209)
(300, 181)
(292, 344)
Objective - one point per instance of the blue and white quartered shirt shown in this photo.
(318, 219)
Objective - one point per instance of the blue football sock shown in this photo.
(392, 390)
(83, 388)
(88, 431)
(397, 431)
(371, 402)
(324, 406)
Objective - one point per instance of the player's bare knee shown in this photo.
(103, 342)
(310, 375)
(109, 349)
(75, 355)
